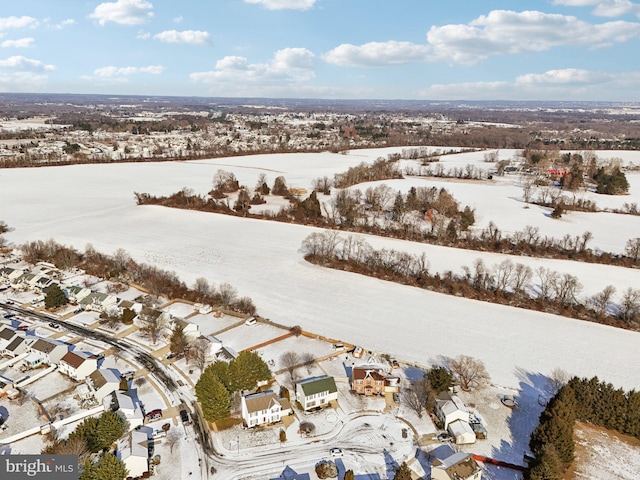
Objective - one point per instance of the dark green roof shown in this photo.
(322, 384)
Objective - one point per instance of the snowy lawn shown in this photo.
(209, 324)
(19, 418)
(244, 336)
(52, 385)
(300, 345)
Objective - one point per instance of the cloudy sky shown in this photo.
(373, 49)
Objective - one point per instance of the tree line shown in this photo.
(506, 283)
(586, 400)
(121, 267)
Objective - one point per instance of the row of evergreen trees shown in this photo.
(587, 400)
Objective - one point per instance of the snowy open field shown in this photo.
(94, 204)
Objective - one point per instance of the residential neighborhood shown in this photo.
(320, 398)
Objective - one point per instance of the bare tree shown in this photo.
(602, 301)
(202, 287)
(199, 353)
(307, 359)
(173, 438)
(290, 361)
(323, 185)
(227, 294)
(417, 396)
(559, 378)
(629, 308)
(469, 372)
(502, 274)
(152, 325)
(632, 249)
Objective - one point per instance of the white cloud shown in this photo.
(111, 71)
(501, 32)
(124, 12)
(377, 53)
(193, 37)
(567, 76)
(509, 32)
(65, 23)
(17, 22)
(20, 43)
(142, 35)
(562, 84)
(604, 8)
(178, 19)
(284, 4)
(290, 67)
(19, 63)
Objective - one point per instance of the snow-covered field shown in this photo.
(94, 204)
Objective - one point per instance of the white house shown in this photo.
(127, 405)
(190, 330)
(17, 346)
(103, 382)
(461, 432)
(264, 408)
(316, 392)
(76, 293)
(98, 301)
(45, 351)
(450, 408)
(459, 466)
(77, 365)
(133, 450)
(7, 334)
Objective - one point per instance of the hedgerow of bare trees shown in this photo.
(506, 283)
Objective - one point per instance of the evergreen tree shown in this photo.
(213, 396)
(556, 426)
(280, 187)
(127, 316)
(349, 475)
(221, 370)
(440, 379)
(311, 206)
(467, 218)
(55, 297)
(246, 370)
(109, 467)
(178, 341)
(546, 466)
(110, 427)
(403, 472)
(398, 207)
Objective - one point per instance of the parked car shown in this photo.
(128, 375)
(184, 416)
(445, 437)
(250, 321)
(54, 325)
(154, 415)
(336, 452)
(159, 434)
(23, 327)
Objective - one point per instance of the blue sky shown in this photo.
(339, 49)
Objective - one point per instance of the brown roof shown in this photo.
(72, 359)
(97, 379)
(15, 343)
(43, 346)
(7, 333)
(360, 373)
(264, 401)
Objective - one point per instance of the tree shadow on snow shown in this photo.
(531, 398)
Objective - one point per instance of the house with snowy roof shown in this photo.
(45, 351)
(459, 466)
(264, 408)
(133, 450)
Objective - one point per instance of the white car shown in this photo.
(250, 321)
(336, 452)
